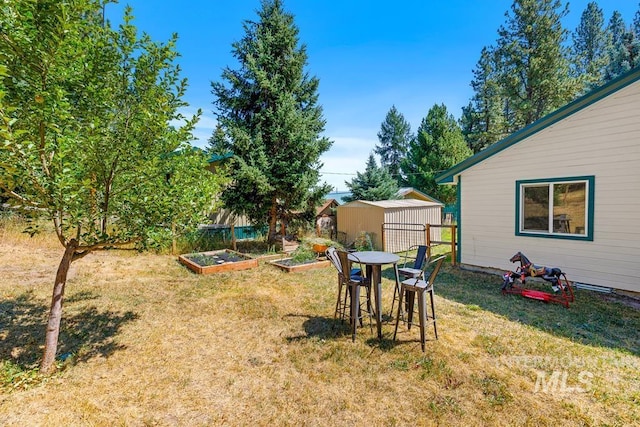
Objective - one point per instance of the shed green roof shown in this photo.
(573, 107)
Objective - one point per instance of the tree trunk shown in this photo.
(55, 313)
(273, 220)
(174, 244)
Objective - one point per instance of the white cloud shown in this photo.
(207, 122)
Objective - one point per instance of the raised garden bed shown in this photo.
(288, 265)
(217, 261)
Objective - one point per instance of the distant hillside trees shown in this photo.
(269, 113)
(525, 76)
(532, 69)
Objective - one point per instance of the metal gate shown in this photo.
(397, 237)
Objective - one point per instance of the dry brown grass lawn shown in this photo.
(150, 343)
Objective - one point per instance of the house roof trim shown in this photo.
(447, 177)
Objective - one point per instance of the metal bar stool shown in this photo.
(421, 287)
(411, 268)
(353, 281)
(342, 305)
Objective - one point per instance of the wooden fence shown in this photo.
(453, 244)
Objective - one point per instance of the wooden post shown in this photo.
(453, 245)
(233, 234)
(427, 232)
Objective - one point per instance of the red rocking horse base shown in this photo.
(563, 293)
(562, 297)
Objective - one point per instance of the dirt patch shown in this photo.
(628, 300)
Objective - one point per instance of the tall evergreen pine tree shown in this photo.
(394, 137)
(375, 183)
(438, 146)
(616, 28)
(483, 120)
(270, 114)
(624, 50)
(534, 69)
(590, 43)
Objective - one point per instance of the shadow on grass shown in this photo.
(83, 335)
(593, 319)
(320, 328)
(328, 328)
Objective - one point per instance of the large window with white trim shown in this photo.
(558, 207)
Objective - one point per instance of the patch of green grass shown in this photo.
(400, 365)
(593, 319)
(441, 405)
(15, 377)
(491, 344)
(495, 390)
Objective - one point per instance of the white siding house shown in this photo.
(565, 191)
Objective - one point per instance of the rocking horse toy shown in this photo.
(562, 292)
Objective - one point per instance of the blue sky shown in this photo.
(368, 55)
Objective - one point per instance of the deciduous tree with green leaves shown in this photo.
(375, 183)
(438, 146)
(87, 140)
(268, 108)
(394, 137)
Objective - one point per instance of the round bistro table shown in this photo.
(374, 260)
